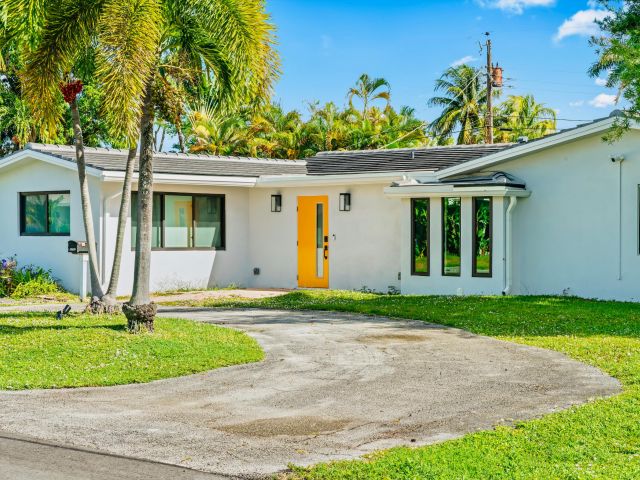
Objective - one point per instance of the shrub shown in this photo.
(7, 270)
(28, 281)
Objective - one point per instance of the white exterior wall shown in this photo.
(364, 244)
(174, 269)
(566, 234)
(49, 252)
(465, 284)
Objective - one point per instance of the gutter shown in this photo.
(508, 246)
(274, 181)
(180, 179)
(420, 190)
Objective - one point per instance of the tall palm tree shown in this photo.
(121, 37)
(368, 90)
(522, 116)
(463, 102)
(228, 43)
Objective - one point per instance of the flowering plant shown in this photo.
(7, 269)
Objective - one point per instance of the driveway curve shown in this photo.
(332, 386)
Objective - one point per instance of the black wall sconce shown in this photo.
(276, 203)
(345, 202)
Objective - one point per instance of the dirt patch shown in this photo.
(293, 426)
(392, 338)
(197, 296)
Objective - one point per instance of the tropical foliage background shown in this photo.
(199, 120)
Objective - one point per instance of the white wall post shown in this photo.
(85, 276)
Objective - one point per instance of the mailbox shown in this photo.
(77, 247)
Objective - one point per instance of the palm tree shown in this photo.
(227, 43)
(143, 45)
(326, 127)
(115, 42)
(368, 90)
(403, 129)
(463, 103)
(522, 116)
(211, 132)
(276, 133)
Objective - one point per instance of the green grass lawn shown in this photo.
(38, 351)
(598, 440)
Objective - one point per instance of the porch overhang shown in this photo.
(448, 190)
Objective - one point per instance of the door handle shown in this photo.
(326, 252)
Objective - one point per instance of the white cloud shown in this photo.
(515, 6)
(601, 82)
(582, 23)
(577, 103)
(603, 100)
(464, 60)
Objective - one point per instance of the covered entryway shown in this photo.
(313, 242)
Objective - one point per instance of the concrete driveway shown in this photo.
(332, 386)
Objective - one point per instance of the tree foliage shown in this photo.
(272, 132)
(619, 55)
(463, 102)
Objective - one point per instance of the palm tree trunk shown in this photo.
(162, 139)
(180, 136)
(140, 311)
(125, 202)
(87, 213)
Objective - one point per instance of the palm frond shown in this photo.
(67, 29)
(128, 40)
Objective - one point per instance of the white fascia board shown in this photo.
(525, 149)
(416, 191)
(173, 179)
(275, 181)
(43, 157)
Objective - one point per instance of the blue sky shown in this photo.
(542, 45)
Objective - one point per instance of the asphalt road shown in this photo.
(28, 459)
(332, 386)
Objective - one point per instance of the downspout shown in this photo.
(620, 160)
(508, 246)
(103, 246)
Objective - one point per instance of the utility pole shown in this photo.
(489, 120)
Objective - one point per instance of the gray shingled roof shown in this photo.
(174, 163)
(394, 160)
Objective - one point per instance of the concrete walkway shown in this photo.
(332, 386)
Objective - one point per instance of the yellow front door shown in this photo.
(313, 242)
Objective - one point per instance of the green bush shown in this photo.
(33, 288)
(28, 281)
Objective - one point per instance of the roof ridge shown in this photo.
(414, 149)
(53, 149)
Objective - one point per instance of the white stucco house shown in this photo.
(558, 215)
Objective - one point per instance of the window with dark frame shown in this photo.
(451, 236)
(482, 236)
(184, 221)
(420, 229)
(45, 214)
